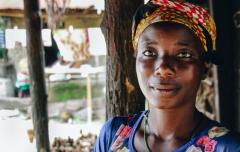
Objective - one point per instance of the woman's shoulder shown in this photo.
(227, 140)
(113, 128)
(115, 122)
(221, 138)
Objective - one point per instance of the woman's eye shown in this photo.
(149, 53)
(184, 55)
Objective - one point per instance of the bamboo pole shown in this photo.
(36, 71)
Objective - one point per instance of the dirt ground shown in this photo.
(14, 127)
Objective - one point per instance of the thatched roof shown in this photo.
(73, 4)
(14, 8)
(82, 13)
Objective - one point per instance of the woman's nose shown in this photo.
(164, 67)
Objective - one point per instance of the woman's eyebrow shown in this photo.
(184, 43)
(145, 42)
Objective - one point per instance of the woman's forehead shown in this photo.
(168, 30)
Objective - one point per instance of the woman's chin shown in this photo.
(163, 104)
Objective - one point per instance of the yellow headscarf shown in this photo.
(194, 17)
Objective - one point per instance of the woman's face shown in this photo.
(168, 65)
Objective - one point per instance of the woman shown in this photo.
(173, 42)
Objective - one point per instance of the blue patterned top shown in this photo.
(118, 133)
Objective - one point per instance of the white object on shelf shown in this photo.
(6, 88)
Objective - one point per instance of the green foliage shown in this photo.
(72, 90)
(3, 22)
(3, 53)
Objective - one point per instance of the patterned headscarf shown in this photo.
(194, 17)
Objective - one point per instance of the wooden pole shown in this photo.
(89, 98)
(224, 22)
(123, 95)
(215, 74)
(36, 71)
(236, 51)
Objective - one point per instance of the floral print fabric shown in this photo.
(117, 135)
(194, 17)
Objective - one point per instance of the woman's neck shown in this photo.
(173, 123)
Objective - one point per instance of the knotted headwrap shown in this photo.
(194, 17)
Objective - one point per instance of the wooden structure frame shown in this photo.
(77, 17)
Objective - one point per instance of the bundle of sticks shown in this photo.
(85, 143)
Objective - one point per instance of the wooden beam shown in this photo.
(77, 18)
(12, 13)
(69, 12)
(36, 71)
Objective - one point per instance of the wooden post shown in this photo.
(236, 51)
(224, 22)
(36, 71)
(123, 95)
(89, 98)
(215, 74)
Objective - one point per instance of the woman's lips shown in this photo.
(164, 90)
